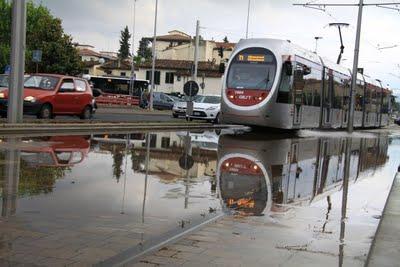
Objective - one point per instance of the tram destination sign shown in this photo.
(255, 58)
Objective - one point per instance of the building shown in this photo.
(174, 64)
(177, 45)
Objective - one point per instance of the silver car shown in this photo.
(3, 81)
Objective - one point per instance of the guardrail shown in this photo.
(114, 99)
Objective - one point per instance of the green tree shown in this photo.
(144, 50)
(124, 42)
(118, 160)
(43, 32)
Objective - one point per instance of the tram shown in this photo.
(257, 176)
(274, 83)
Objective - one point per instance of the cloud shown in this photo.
(98, 22)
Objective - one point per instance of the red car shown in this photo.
(47, 95)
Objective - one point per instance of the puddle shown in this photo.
(99, 199)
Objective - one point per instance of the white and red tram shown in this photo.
(274, 83)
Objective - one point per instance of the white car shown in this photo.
(179, 108)
(208, 108)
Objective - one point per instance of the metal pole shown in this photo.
(196, 51)
(18, 39)
(355, 68)
(133, 76)
(248, 19)
(148, 138)
(317, 38)
(153, 68)
(11, 176)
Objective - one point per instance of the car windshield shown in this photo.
(41, 82)
(176, 99)
(3, 81)
(209, 99)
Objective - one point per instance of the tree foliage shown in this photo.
(144, 51)
(124, 42)
(43, 32)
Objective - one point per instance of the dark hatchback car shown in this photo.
(161, 101)
(397, 121)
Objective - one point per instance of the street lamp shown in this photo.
(317, 38)
(339, 26)
(153, 67)
(133, 76)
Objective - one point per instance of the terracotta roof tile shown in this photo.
(88, 52)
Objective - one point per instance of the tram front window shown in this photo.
(253, 68)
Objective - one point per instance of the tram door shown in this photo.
(298, 88)
(327, 98)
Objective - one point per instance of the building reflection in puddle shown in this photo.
(54, 188)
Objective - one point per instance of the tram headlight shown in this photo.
(2, 95)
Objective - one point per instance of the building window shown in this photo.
(169, 78)
(108, 72)
(165, 142)
(123, 74)
(153, 140)
(156, 76)
(178, 78)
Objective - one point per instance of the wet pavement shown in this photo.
(107, 199)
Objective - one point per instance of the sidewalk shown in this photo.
(385, 250)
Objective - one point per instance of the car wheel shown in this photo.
(217, 119)
(175, 116)
(87, 113)
(46, 112)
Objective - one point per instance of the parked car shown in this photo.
(397, 121)
(161, 101)
(4, 80)
(47, 95)
(207, 108)
(179, 108)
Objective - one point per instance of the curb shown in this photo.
(68, 129)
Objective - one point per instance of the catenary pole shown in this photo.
(196, 51)
(153, 68)
(350, 127)
(248, 20)
(18, 40)
(133, 76)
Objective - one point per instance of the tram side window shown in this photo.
(285, 87)
(312, 87)
(359, 100)
(338, 91)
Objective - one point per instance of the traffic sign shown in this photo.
(186, 162)
(37, 56)
(191, 88)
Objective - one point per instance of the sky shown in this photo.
(99, 22)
